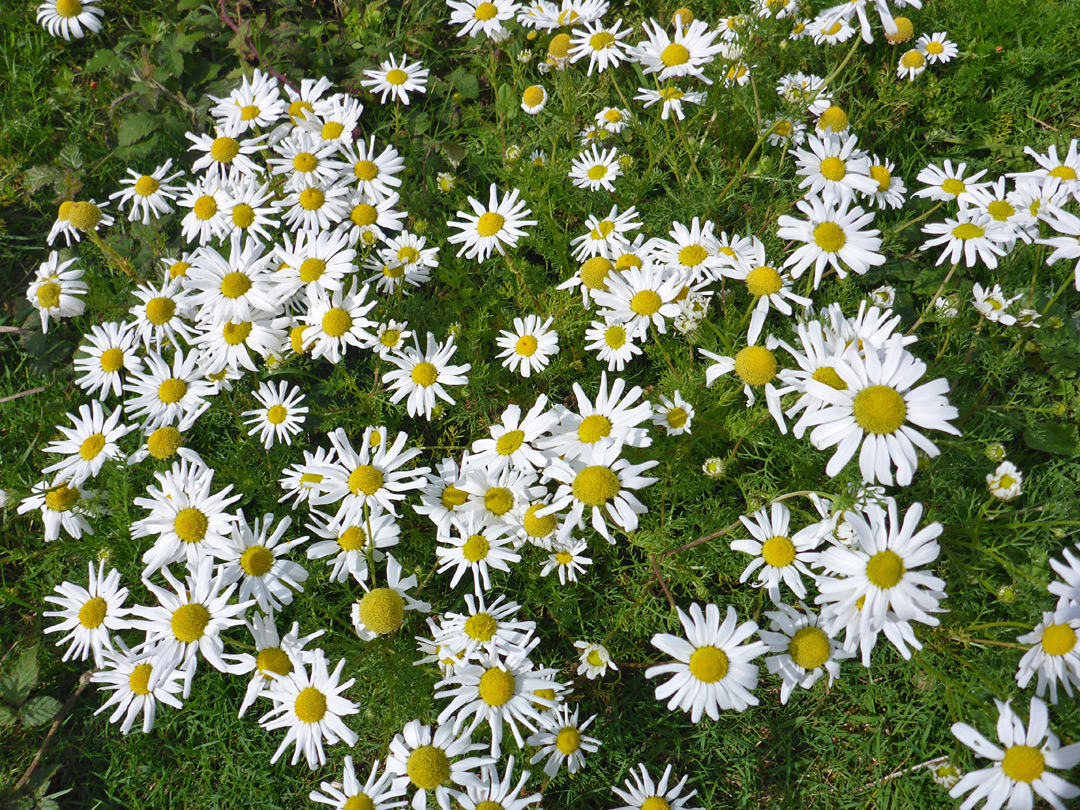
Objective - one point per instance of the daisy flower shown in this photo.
(161, 315)
(128, 675)
(830, 30)
(88, 444)
(88, 614)
(168, 395)
(640, 297)
(877, 579)
(1005, 482)
(560, 740)
(992, 304)
(591, 277)
(890, 189)
(685, 55)
(421, 376)
(756, 366)
(1067, 244)
(477, 547)
(494, 228)
(712, 670)
(349, 794)
(281, 416)
(772, 289)
(530, 346)
(303, 158)
(335, 119)
(189, 521)
(108, 352)
(973, 235)
(237, 288)
(221, 154)
(274, 655)
(56, 289)
(499, 690)
(349, 542)
(801, 652)
(642, 793)
(1054, 655)
(912, 63)
(206, 202)
(534, 99)
(513, 438)
(188, 620)
(254, 557)
(672, 99)
(947, 183)
(606, 236)
(149, 194)
(937, 48)
(164, 444)
(225, 347)
(833, 235)
(778, 554)
(594, 660)
(424, 759)
(63, 505)
(248, 213)
(834, 168)
(255, 103)
(70, 19)
(1067, 588)
(593, 169)
(311, 707)
(612, 419)
(675, 415)
(568, 559)
(318, 206)
(784, 132)
(1022, 763)
(376, 175)
(482, 17)
(336, 320)
(603, 44)
(381, 611)
(613, 342)
(498, 793)
(396, 80)
(601, 484)
(487, 630)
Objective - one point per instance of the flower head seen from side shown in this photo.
(311, 707)
(491, 228)
(63, 505)
(57, 289)
(89, 614)
(381, 611)
(712, 668)
(1023, 762)
(1005, 482)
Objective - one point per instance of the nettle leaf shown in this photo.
(1054, 437)
(7, 715)
(39, 710)
(16, 682)
(135, 127)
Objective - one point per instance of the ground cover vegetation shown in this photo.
(679, 405)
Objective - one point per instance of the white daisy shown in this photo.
(424, 759)
(352, 542)
(376, 175)
(560, 740)
(947, 183)
(56, 290)
(349, 794)
(63, 506)
(255, 557)
(493, 228)
(756, 366)
(70, 19)
(498, 793)
(130, 674)
(108, 352)
(89, 614)
(530, 346)
(613, 342)
(168, 395)
(88, 444)
(973, 235)
(274, 655)
(1054, 655)
(675, 415)
(1005, 481)
(568, 559)
(478, 547)
(482, 17)
(420, 376)
(937, 47)
(593, 169)
(603, 44)
(382, 610)
(802, 652)
(594, 660)
(778, 555)
(672, 99)
(642, 793)
(318, 206)
(149, 194)
(685, 55)
(513, 438)
(281, 416)
(162, 314)
(336, 320)
(487, 630)
(396, 80)
(833, 235)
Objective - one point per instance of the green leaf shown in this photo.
(135, 127)
(39, 710)
(467, 85)
(1053, 437)
(16, 683)
(7, 715)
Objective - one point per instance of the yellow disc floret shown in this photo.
(595, 485)
(764, 280)
(92, 613)
(755, 365)
(708, 664)
(879, 409)
(885, 569)
(190, 525)
(92, 446)
(1058, 639)
(164, 442)
(1023, 763)
(381, 610)
(778, 551)
(428, 766)
(257, 561)
(809, 648)
(496, 687)
(310, 706)
(189, 622)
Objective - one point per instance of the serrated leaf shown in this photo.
(135, 127)
(71, 157)
(39, 710)
(16, 682)
(37, 177)
(7, 715)
(1053, 437)
(467, 85)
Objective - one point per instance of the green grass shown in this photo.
(74, 116)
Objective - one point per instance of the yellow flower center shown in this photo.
(172, 390)
(674, 55)
(190, 525)
(597, 172)
(396, 77)
(336, 322)
(235, 284)
(249, 112)
(593, 428)
(365, 479)
(559, 46)
(879, 409)
(243, 215)
(364, 215)
(832, 29)
(953, 186)
(763, 280)
(615, 336)
(332, 130)
(273, 659)
(538, 526)
(485, 12)
(655, 803)
(568, 740)
(966, 230)
(646, 303)
(205, 207)
(310, 706)
(139, 679)
(352, 539)
(677, 417)
(425, 374)
(564, 557)
(885, 569)
(64, 211)
(408, 254)
(300, 109)
(311, 199)
(1060, 172)
(296, 339)
(381, 610)
(600, 41)
(257, 561)
(92, 613)
(496, 687)
(595, 485)
(594, 273)
(312, 270)
(361, 801)
(61, 499)
(526, 345)
(1058, 639)
(92, 446)
(671, 94)
(189, 622)
(159, 310)
(476, 548)
(779, 551)
(755, 365)
(830, 237)
(146, 185)
(164, 442)
(452, 497)
(84, 216)
(915, 59)
(48, 295)
(428, 766)
(236, 333)
(809, 648)
(276, 414)
(833, 118)
(509, 442)
(498, 501)
(1023, 763)
(829, 377)
(390, 338)
(934, 47)
(1000, 210)
(533, 96)
(883, 177)
(68, 8)
(224, 149)
(489, 805)
(905, 30)
(708, 664)
(481, 627)
(833, 168)
(594, 658)
(365, 170)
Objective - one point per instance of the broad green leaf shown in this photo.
(135, 127)
(18, 680)
(39, 710)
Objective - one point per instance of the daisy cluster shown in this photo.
(293, 250)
